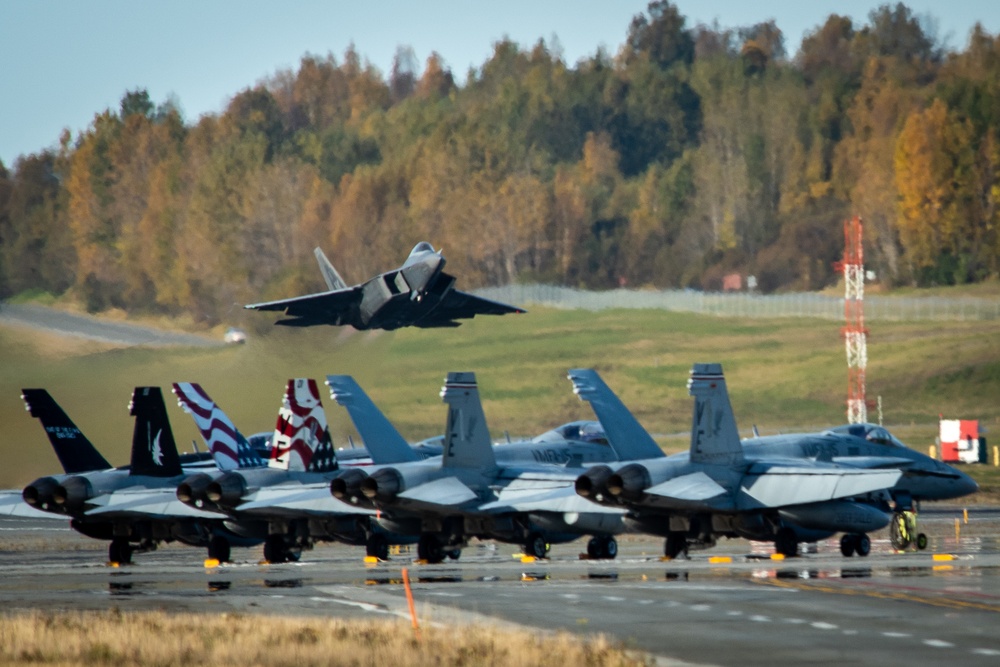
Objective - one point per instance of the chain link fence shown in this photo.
(748, 304)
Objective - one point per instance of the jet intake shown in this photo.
(629, 482)
(347, 486)
(593, 483)
(38, 494)
(383, 485)
(228, 490)
(192, 490)
(73, 492)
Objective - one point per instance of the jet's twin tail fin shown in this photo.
(714, 437)
(467, 438)
(75, 452)
(154, 452)
(301, 439)
(228, 446)
(625, 434)
(384, 442)
(330, 275)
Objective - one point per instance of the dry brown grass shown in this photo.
(156, 638)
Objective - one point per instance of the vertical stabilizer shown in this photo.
(76, 453)
(625, 434)
(330, 275)
(301, 439)
(154, 452)
(228, 446)
(384, 442)
(467, 439)
(714, 437)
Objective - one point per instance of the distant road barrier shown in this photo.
(745, 304)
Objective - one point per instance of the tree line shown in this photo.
(692, 152)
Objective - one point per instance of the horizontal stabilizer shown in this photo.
(12, 504)
(314, 499)
(625, 434)
(147, 505)
(780, 486)
(447, 491)
(694, 488)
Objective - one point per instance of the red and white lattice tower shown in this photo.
(855, 334)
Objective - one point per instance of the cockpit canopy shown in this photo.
(870, 432)
(582, 431)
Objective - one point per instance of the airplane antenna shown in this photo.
(854, 331)
(194, 444)
(350, 440)
(506, 434)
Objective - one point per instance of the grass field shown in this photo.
(155, 638)
(782, 374)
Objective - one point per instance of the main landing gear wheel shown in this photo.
(859, 543)
(120, 551)
(275, 550)
(429, 549)
(602, 547)
(218, 548)
(536, 546)
(786, 543)
(675, 545)
(377, 546)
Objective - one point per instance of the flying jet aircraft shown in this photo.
(471, 492)
(417, 294)
(721, 488)
(125, 505)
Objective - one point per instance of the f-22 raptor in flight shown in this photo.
(417, 294)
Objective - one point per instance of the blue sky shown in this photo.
(62, 61)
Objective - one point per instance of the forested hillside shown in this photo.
(691, 152)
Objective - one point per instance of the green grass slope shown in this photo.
(782, 374)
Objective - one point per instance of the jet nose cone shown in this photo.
(965, 485)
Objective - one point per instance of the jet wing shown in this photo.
(695, 488)
(333, 307)
(455, 305)
(150, 504)
(781, 486)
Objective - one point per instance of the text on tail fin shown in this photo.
(467, 437)
(714, 437)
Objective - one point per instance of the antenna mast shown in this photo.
(854, 331)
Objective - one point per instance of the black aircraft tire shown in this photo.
(429, 549)
(274, 549)
(848, 544)
(454, 554)
(862, 544)
(610, 547)
(675, 545)
(120, 551)
(377, 546)
(593, 548)
(536, 546)
(218, 548)
(785, 543)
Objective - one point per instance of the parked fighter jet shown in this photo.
(416, 294)
(721, 488)
(124, 505)
(470, 492)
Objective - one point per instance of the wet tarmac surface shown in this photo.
(731, 605)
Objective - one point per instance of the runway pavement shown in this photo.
(731, 605)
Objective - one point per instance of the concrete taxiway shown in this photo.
(731, 605)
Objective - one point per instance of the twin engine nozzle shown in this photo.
(48, 493)
(602, 484)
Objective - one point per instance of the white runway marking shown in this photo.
(820, 625)
(938, 643)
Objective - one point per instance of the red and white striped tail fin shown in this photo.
(301, 436)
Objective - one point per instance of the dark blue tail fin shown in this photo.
(154, 452)
(76, 453)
